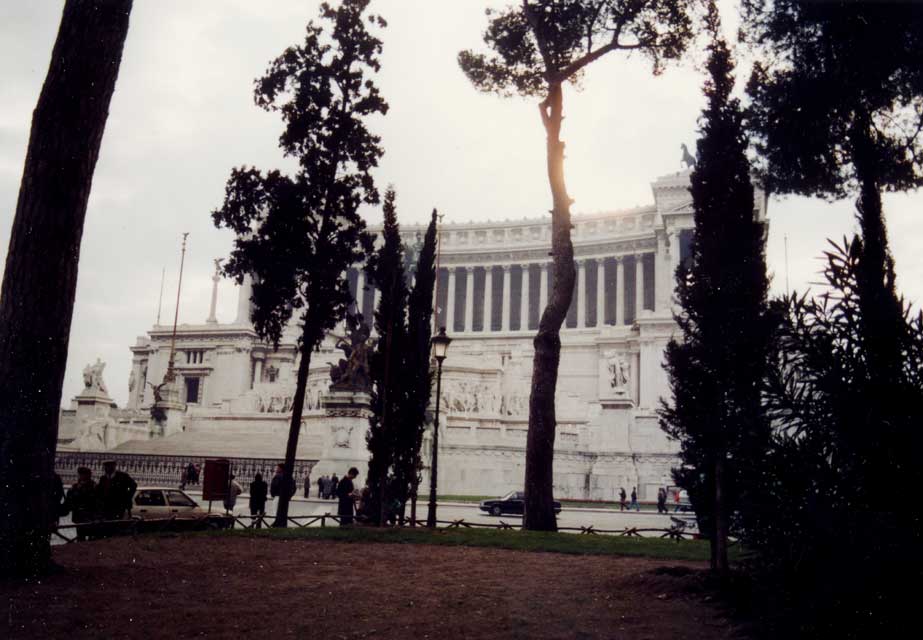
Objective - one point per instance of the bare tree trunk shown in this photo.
(37, 298)
(720, 547)
(308, 343)
(539, 503)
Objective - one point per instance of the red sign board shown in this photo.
(216, 479)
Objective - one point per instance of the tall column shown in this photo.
(258, 372)
(376, 299)
(506, 298)
(488, 297)
(619, 291)
(450, 302)
(581, 294)
(524, 302)
(469, 299)
(639, 285)
(674, 265)
(600, 292)
(360, 292)
(243, 301)
(215, 279)
(543, 290)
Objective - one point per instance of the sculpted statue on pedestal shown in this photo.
(351, 373)
(93, 377)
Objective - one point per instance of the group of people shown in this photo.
(662, 496)
(111, 498)
(662, 500)
(327, 487)
(623, 500)
(343, 489)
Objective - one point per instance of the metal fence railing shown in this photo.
(98, 529)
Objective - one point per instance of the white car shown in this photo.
(164, 502)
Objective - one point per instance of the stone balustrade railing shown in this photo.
(160, 470)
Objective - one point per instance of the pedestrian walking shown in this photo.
(346, 493)
(623, 499)
(334, 484)
(634, 500)
(676, 500)
(320, 487)
(115, 491)
(307, 484)
(258, 492)
(661, 500)
(82, 501)
(234, 490)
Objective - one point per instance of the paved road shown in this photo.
(598, 518)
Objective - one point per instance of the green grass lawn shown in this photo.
(696, 550)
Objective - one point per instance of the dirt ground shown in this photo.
(260, 588)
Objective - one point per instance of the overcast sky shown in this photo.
(182, 116)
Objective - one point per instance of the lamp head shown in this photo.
(440, 343)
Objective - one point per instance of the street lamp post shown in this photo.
(440, 344)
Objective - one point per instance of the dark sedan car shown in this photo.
(510, 503)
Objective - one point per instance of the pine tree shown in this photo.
(386, 364)
(835, 112)
(40, 280)
(538, 47)
(716, 372)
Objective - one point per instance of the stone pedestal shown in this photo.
(173, 409)
(93, 404)
(90, 428)
(613, 423)
(345, 426)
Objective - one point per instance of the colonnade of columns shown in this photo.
(614, 304)
(479, 313)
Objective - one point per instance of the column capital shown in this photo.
(450, 268)
(506, 267)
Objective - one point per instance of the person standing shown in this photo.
(676, 500)
(320, 487)
(346, 493)
(81, 501)
(258, 492)
(623, 499)
(116, 490)
(634, 500)
(307, 484)
(334, 486)
(234, 490)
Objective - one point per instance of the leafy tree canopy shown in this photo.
(837, 82)
(548, 42)
(295, 234)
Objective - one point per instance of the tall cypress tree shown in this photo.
(417, 375)
(716, 372)
(386, 273)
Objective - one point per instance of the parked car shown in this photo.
(512, 502)
(164, 502)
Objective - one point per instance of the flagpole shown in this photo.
(171, 376)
